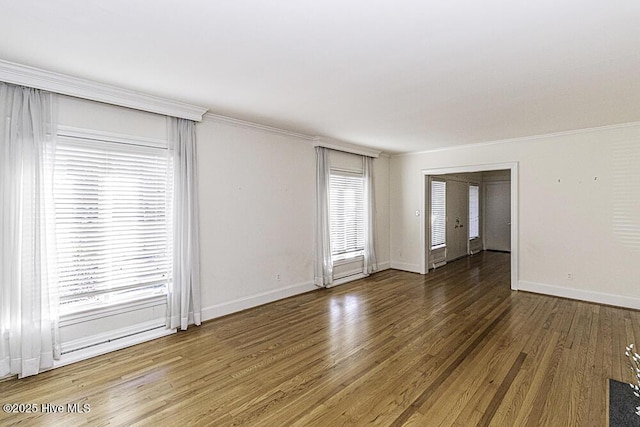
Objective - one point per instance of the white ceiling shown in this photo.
(394, 75)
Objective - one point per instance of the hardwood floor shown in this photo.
(453, 348)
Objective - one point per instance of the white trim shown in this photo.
(469, 168)
(23, 75)
(350, 277)
(412, 268)
(86, 348)
(108, 336)
(382, 266)
(580, 294)
(334, 144)
(251, 125)
(74, 132)
(438, 264)
(515, 226)
(513, 166)
(320, 141)
(239, 304)
(522, 138)
(102, 312)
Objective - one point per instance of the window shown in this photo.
(438, 214)
(346, 214)
(112, 227)
(474, 212)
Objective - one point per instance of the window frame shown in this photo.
(92, 312)
(346, 257)
(477, 236)
(431, 215)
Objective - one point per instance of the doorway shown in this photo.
(506, 240)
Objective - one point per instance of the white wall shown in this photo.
(579, 210)
(257, 202)
(256, 212)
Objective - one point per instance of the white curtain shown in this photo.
(323, 262)
(184, 288)
(29, 337)
(370, 262)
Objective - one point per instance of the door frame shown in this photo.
(424, 225)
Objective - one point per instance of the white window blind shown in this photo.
(346, 214)
(438, 214)
(474, 212)
(112, 226)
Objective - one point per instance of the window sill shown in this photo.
(88, 314)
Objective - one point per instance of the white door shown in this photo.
(497, 216)
(457, 219)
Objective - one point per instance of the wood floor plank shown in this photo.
(455, 347)
(496, 400)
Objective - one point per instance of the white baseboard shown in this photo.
(580, 294)
(413, 268)
(383, 266)
(105, 337)
(86, 348)
(219, 310)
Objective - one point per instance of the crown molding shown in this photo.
(66, 85)
(335, 144)
(524, 138)
(252, 125)
(321, 141)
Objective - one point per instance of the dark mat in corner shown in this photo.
(622, 405)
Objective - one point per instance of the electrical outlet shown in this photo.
(570, 276)
(278, 277)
